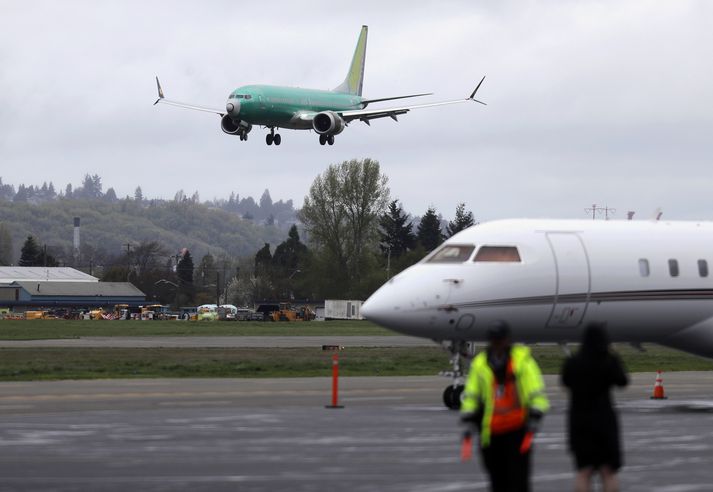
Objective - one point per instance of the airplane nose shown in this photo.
(386, 306)
(375, 309)
(233, 108)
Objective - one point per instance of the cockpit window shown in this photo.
(503, 254)
(240, 96)
(452, 253)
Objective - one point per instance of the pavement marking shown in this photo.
(189, 394)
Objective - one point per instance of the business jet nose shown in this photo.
(378, 307)
(405, 302)
(233, 108)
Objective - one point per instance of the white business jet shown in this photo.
(649, 281)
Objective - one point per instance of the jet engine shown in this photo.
(328, 123)
(232, 128)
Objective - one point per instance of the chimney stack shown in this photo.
(76, 240)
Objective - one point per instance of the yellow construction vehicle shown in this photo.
(36, 315)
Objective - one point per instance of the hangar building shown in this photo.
(38, 287)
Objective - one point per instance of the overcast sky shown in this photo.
(605, 102)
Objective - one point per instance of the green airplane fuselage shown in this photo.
(269, 105)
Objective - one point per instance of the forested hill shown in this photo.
(106, 227)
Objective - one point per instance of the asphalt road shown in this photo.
(276, 434)
(223, 342)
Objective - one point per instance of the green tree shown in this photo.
(288, 261)
(429, 230)
(91, 188)
(46, 259)
(184, 272)
(395, 231)
(341, 214)
(110, 195)
(138, 194)
(263, 272)
(30, 253)
(5, 245)
(206, 270)
(462, 220)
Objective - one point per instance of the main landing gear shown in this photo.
(243, 136)
(459, 350)
(273, 137)
(323, 139)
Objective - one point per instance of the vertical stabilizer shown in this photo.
(355, 78)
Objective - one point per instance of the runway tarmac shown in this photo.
(222, 341)
(275, 434)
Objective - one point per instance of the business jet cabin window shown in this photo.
(502, 254)
(644, 267)
(673, 267)
(703, 268)
(452, 253)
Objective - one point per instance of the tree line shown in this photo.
(264, 210)
(353, 236)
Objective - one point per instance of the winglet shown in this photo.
(472, 95)
(160, 91)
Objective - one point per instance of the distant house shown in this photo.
(43, 274)
(76, 294)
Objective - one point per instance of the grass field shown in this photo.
(22, 364)
(59, 328)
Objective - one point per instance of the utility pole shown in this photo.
(388, 264)
(217, 289)
(128, 260)
(594, 210)
(225, 283)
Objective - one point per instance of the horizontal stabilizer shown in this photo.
(162, 99)
(372, 114)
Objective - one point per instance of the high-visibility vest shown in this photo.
(480, 389)
(508, 414)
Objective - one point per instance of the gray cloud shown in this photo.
(605, 102)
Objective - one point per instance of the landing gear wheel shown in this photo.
(322, 139)
(451, 396)
(448, 397)
(242, 137)
(268, 139)
(461, 351)
(245, 137)
(277, 139)
(330, 140)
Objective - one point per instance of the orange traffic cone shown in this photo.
(658, 387)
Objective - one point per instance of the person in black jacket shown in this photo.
(589, 376)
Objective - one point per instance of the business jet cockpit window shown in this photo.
(452, 253)
(502, 254)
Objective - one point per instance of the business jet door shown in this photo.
(573, 279)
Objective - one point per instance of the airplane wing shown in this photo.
(366, 102)
(369, 114)
(162, 99)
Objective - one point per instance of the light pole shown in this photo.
(289, 283)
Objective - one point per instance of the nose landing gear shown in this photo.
(458, 349)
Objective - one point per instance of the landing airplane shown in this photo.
(326, 112)
(649, 281)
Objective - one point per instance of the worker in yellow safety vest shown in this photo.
(504, 400)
